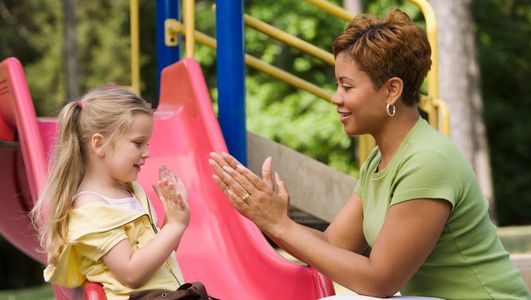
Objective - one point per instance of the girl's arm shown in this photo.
(134, 268)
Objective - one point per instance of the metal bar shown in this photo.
(231, 76)
(332, 9)
(442, 107)
(166, 55)
(431, 31)
(135, 47)
(267, 68)
(189, 21)
(289, 39)
(287, 77)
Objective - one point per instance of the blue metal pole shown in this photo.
(231, 76)
(166, 55)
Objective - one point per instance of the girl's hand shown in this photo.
(174, 197)
(253, 197)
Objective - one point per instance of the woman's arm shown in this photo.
(408, 236)
(345, 231)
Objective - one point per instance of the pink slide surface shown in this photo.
(220, 248)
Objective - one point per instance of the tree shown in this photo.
(504, 39)
(353, 6)
(459, 86)
(70, 49)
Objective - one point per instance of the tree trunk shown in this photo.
(70, 50)
(459, 86)
(353, 6)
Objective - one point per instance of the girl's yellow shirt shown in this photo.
(93, 230)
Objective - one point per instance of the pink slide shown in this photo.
(220, 248)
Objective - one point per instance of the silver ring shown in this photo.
(246, 197)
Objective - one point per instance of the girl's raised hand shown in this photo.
(174, 197)
(167, 174)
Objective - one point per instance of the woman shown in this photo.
(417, 204)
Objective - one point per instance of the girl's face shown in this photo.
(130, 151)
(361, 107)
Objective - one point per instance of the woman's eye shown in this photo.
(346, 87)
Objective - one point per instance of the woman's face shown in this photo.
(361, 107)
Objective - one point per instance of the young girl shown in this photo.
(94, 222)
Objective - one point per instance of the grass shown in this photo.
(42, 292)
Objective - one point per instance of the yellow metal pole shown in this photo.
(287, 77)
(266, 68)
(442, 107)
(189, 22)
(332, 9)
(135, 47)
(433, 74)
(431, 30)
(289, 39)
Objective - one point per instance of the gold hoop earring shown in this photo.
(390, 109)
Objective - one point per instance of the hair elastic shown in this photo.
(79, 104)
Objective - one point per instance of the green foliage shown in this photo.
(282, 113)
(504, 43)
(32, 31)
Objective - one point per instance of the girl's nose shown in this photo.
(146, 154)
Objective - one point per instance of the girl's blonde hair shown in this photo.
(109, 111)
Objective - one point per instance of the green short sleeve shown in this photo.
(427, 174)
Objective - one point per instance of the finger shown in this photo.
(163, 172)
(156, 187)
(233, 184)
(236, 201)
(162, 193)
(230, 160)
(166, 190)
(282, 189)
(246, 186)
(167, 174)
(218, 159)
(181, 202)
(220, 183)
(266, 173)
(256, 181)
(218, 169)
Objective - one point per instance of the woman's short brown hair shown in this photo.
(391, 47)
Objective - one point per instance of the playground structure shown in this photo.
(220, 248)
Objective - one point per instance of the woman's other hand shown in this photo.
(253, 197)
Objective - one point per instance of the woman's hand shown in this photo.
(253, 197)
(174, 197)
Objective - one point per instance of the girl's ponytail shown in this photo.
(66, 170)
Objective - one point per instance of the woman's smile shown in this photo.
(343, 116)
